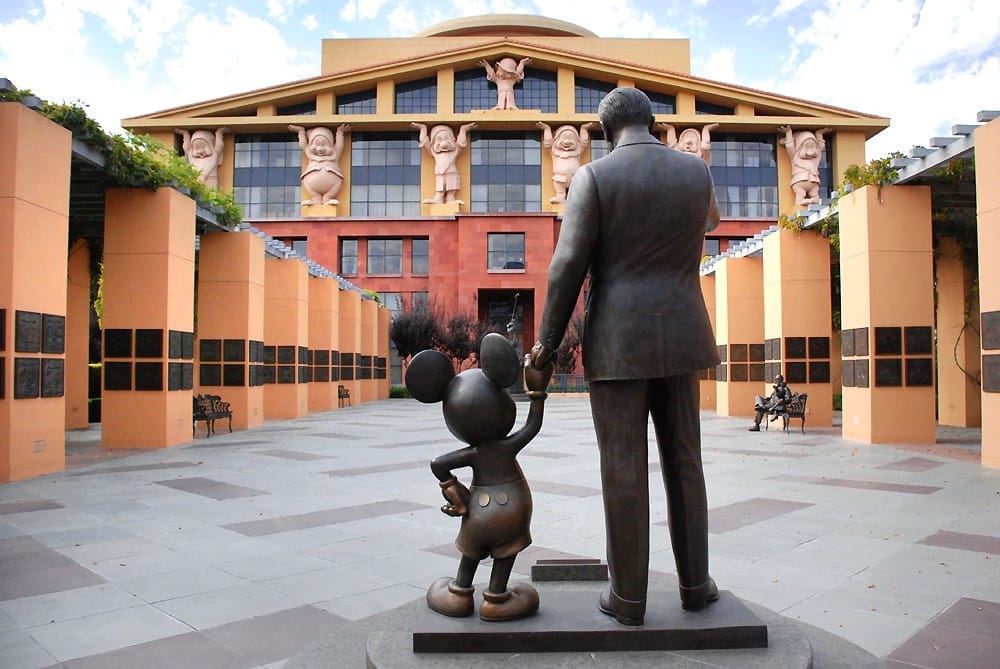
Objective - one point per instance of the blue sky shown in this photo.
(927, 64)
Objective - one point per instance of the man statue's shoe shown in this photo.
(450, 599)
(698, 597)
(754, 428)
(518, 601)
(624, 611)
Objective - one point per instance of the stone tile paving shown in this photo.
(243, 549)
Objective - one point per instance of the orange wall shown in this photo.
(988, 209)
(959, 398)
(350, 335)
(77, 336)
(739, 299)
(707, 386)
(286, 314)
(324, 334)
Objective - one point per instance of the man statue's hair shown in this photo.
(624, 106)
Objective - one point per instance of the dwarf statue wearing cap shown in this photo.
(566, 146)
(805, 150)
(690, 140)
(442, 144)
(506, 73)
(203, 150)
(322, 178)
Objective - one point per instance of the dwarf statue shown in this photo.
(203, 150)
(566, 146)
(442, 144)
(690, 140)
(322, 178)
(805, 150)
(506, 73)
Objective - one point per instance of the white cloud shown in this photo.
(349, 12)
(720, 65)
(360, 10)
(310, 23)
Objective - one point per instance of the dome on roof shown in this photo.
(506, 25)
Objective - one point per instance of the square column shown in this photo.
(324, 338)
(231, 323)
(148, 312)
(886, 268)
(988, 209)
(797, 319)
(382, 361)
(707, 383)
(78, 336)
(369, 350)
(959, 398)
(350, 341)
(286, 338)
(34, 227)
(739, 333)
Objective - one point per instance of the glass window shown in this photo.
(348, 257)
(701, 107)
(505, 250)
(385, 174)
(711, 247)
(506, 171)
(537, 91)
(356, 103)
(419, 256)
(417, 97)
(266, 175)
(307, 108)
(393, 302)
(589, 93)
(472, 91)
(385, 256)
(419, 298)
(745, 171)
(300, 245)
(598, 145)
(662, 103)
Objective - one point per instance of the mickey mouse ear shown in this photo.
(428, 376)
(498, 360)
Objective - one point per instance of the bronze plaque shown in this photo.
(738, 373)
(861, 341)
(286, 373)
(321, 374)
(819, 347)
(861, 376)
(117, 375)
(256, 351)
(149, 375)
(795, 372)
(756, 352)
(53, 377)
(3, 333)
(819, 372)
(148, 344)
(175, 345)
(888, 341)
(286, 355)
(847, 343)
(346, 374)
(305, 374)
(233, 375)
(847, 373)
(919, 371)
(795, 348)
(27, 375)
(304, 356)
(27, 335)
(990, 330)
(187, 346)
(234, 350)
(210, 350)
(210, 375)
(757, 372)
(991, 373)
(888, 372)
(722, 351)
(738, 353)
(267, 374)
(118, 344)
(919, 340)
(321, 357)
(269, 353)
(174, 377)
(187, 376)
(53, 335)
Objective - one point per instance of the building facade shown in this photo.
(486, 253)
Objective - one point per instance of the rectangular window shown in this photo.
(393, 302)
(505, 250)
(472, 91)
(266, 175)
(589, 93)
(300, 245)
(419, 256)
(662, 103)
(348, 257)
(537, 91)
(417, 97)
(385, 256)
(745, 171)
(701, 107)
(385, 174)
(362, 102)
(506, 171)
(598, 145)
(307, 108)
(419, 298)
(711, 247)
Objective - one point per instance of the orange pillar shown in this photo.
(77, 336)
(34, 228)
(886, 268)
(324, 335)
(369, 350)
(797, 317)
(230, 346)
(382, 361)
(707, 383)
(959, 399)
(148, 309)
(350, 341)
(988, 209)
(286, 337)
(739, 331)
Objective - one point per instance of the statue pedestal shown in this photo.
(440, 209)
(319, 210)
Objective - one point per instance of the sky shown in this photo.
(925, 64)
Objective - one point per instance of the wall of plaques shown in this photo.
(902, 357)
(148, 359)
(37, 338)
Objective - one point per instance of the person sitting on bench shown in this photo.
(774, 404)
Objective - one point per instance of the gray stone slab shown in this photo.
(740, 514)
(322, 518)
(23, 506)
(29, 568)
(219, 490)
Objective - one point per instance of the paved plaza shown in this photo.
(245, 549)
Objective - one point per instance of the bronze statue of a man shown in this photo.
(647, 335)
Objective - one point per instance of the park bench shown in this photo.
(343, 396)
(796, 408)
(210, 408)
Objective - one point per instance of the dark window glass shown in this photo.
(701, 107)
(506, 171)
(711, 247)
(349, 257)
(385, 174)
(473, 91)
(505, 250)
(419, 298)
(362, 102)
(385, 256)
(417, 97)
(745, 171)
(537, 91)
(598, 145)
(662, 103)
(419, 256)
(301, 109)
(589, 93)
(266, 176)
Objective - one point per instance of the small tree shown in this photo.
(458, 339)
(414, 330)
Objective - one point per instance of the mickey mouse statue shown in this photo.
(496, 510)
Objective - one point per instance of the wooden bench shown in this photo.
(796, 408)
(343, 396)
(209, 408)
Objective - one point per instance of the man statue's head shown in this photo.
(622, 108)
